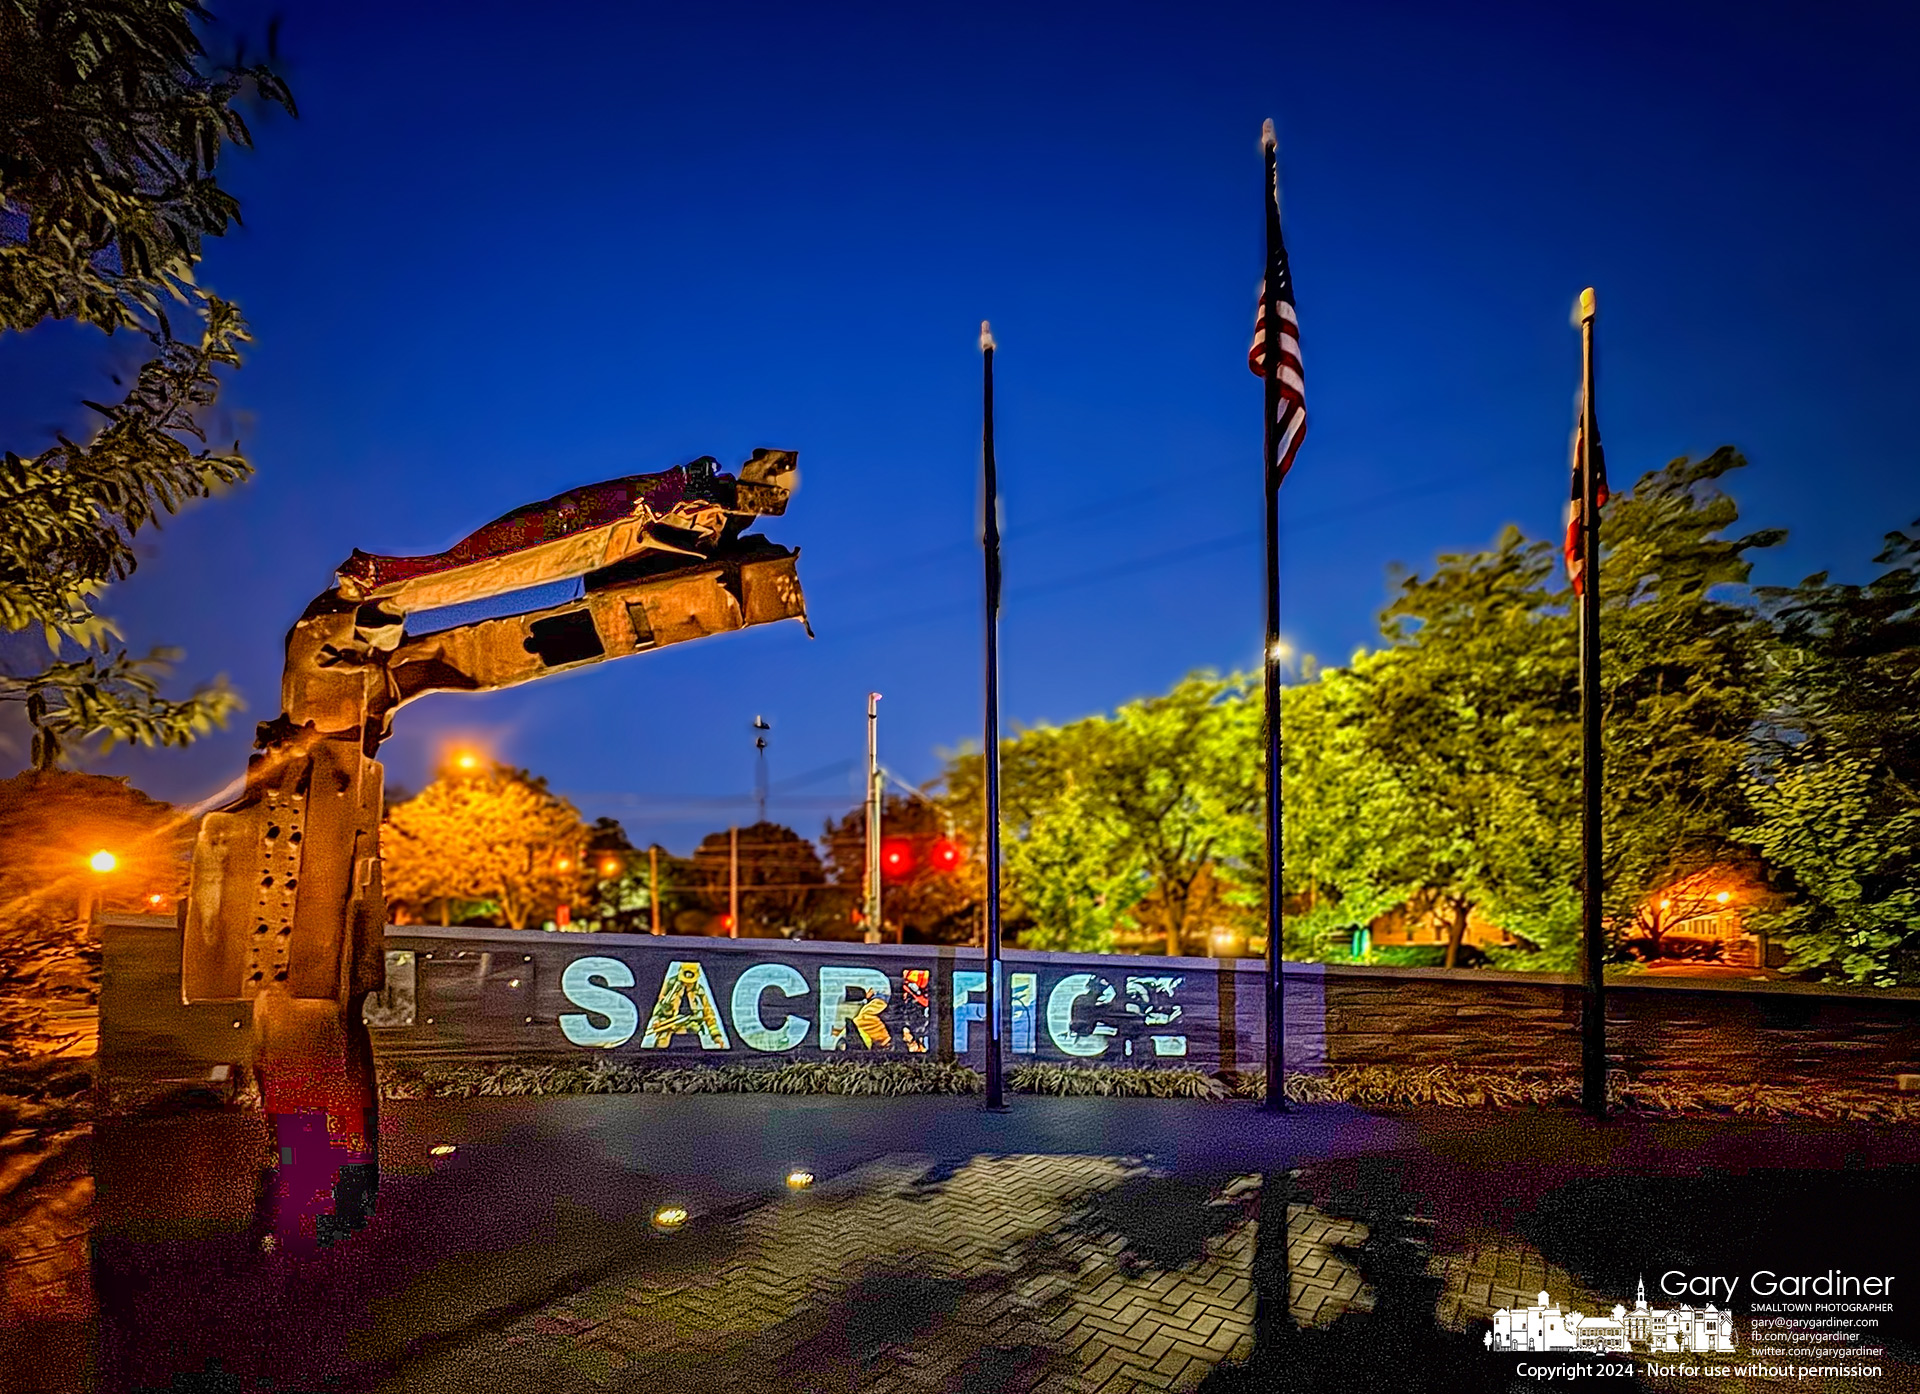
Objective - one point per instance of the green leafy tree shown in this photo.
(1080, 877)
(1341, 815)
(1835, 790)
(1466, 716)
(1169, 773)
(1684, 677)
(620, 900)
(1441, 774)
(112, 121)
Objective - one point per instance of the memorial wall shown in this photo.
(472, 995)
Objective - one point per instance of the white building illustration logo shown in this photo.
(1651, 1330)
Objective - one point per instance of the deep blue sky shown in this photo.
(508, 249)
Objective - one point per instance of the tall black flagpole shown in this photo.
(1270, 316)
(990, 752)
(1593, 1032)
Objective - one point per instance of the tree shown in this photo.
(1079, 876)
(927, 904)
(1442, 772)
(1342, 817)
(1465, 715)
(111, 123)
(1835, 787)
(497, 834)
(1170, 774)
(1684, 681)
(783, 889)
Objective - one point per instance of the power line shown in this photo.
(1155, 560)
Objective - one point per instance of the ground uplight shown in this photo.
(444, 1149)
(669, 1217)
(799, 1180)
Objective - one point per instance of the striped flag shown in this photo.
(1291, 412)
(1576, 560)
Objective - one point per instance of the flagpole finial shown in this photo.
(1587, 308)
(986, 337)
(1268, 140)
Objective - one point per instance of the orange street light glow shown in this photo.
(103, 861)
(466, 760)
(1723, 897)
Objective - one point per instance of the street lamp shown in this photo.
(101, 863)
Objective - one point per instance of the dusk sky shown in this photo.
(506, 250)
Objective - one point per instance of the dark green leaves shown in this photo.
(112, 120)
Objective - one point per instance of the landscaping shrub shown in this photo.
(1376, 1087)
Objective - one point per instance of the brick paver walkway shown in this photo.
(1060, 1274)
(44, 1223)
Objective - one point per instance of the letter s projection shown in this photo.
(623, 1018)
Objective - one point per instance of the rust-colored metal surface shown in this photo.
(286, 907)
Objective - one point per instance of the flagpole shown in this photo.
(990, 752)
(1593, 1033)
(1276, 1096)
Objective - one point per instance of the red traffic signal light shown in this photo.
(896, 858)
(943, 856)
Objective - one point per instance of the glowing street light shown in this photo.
(466, 762)
(101, 863)
(1723, 897)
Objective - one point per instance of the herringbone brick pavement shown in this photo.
(1068, 1275)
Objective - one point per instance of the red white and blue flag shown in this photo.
(1290, 417)
(1575, 549)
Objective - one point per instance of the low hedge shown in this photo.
(1379, 1088)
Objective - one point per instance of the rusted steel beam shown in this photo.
(286, 908)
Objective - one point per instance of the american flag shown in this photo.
(1576, 559)
(1291, 414)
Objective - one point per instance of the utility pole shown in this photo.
(653, 884)
(733, 883)
(874, 791)
(760, 724)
